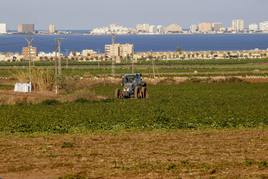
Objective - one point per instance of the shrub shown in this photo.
(42, 80)
(263, 164)
(67, 145)
(50, 102)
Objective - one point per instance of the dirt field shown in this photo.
(158, 154)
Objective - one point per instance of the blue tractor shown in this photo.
(133, 87)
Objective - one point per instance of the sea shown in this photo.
(142, 43)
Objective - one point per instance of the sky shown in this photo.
(88, 14)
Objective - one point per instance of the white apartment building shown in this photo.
(51, 29)
(119, 50)
(194, 28)
(88, 52)
(118, 29)
(160, 29)
(3, 28)
(152, 29)
(173, 28)
(143, 28)
(111, 29)
(49, 55)
(238, 25)
(264, 26)
(99, 31)
(218, 27)
(253, 27)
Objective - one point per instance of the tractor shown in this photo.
(133, 87)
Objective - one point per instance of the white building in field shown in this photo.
(3, 28)
(264, 26)
(253, 27)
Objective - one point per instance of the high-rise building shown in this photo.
(126, 50)
(51, 29)
(143, 28)
(264, 26)
(160, 29)
(194, 28)
(205, 27)
(26, 28)
(217, 27)
(173, 28)
(3, 28)
(238, 25)
(152, 29)
(253, 27)
(119, 50)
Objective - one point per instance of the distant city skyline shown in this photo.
(82, 14)
(246, 25)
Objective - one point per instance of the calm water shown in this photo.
(14, 43)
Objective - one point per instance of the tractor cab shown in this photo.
(131, 78)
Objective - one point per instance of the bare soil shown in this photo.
(156, 154)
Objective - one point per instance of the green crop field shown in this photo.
(161, 68)
(142, 62)
(185, 106)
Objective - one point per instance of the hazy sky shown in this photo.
(87, 14)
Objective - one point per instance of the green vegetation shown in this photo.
(263, 164)
(185, 106)
(162, 68)
(67, 145)
(141, 62)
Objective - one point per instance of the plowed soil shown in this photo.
(156, 154)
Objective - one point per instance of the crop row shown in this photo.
(186, 106)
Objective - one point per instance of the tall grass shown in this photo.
(42, 79)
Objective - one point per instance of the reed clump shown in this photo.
(42, 79)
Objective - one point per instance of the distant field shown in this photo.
(185, 106)
(161, 68)
(159, 62)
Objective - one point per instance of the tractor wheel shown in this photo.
(117, 93)
(144, 92)
(137, 93)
